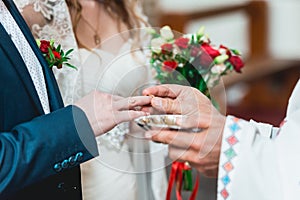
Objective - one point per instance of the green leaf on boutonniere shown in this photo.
(72, 66)
(58, 48)
(51, 55)
(69, 51)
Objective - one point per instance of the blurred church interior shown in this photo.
(267, 34)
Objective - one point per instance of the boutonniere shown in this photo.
(54, 55)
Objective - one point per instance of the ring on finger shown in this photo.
(131, 101)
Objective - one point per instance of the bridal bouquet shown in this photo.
(191, 59)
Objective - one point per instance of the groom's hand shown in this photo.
(104, 111)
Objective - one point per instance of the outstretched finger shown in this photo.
(166, 90)
(151, 110)
(175, 138)
(132, 102)
(166, 105)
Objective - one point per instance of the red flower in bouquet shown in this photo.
(195, 50)
(210, 50)
(169, 65)
(208, 55)
(225, 49)
(182, 42)
(237, 63)
(54, 56)
(192, 55)
(166, 48)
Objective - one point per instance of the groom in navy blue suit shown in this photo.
(40, 152)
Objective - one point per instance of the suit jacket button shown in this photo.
(72, 160)
(65, 164)
(57, 167)
(61, 186)
(79, 157)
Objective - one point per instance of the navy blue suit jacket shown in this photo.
(39, 154)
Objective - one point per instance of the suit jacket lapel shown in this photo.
(55, 99)
(14, 56)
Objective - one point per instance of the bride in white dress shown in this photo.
(128, 167)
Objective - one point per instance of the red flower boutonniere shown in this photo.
(54, 56)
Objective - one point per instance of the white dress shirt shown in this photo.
(33, 65)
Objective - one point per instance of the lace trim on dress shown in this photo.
(115, 138)
(57, 25)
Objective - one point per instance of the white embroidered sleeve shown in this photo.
(259, 161)
(248, 162)
(228, 157)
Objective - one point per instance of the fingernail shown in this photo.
(157, 102)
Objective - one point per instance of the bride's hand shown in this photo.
(104, 111)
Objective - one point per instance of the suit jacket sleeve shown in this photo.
(45, 146)
(255, 165)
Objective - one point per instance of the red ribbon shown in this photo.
(177, 174)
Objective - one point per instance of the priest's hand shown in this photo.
(201, 150)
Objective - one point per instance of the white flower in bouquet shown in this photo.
(166, 33)
(156, 44)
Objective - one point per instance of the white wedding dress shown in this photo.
(128, 167)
